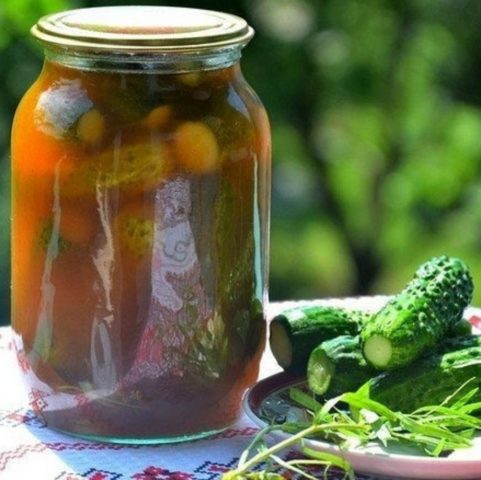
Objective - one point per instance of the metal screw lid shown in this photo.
(139, 29)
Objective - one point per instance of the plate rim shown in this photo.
(332, 447)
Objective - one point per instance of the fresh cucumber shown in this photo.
(296, 332)
(430, 380)
(420, 316)
(461, 328)
(458, 343)
(338, 366)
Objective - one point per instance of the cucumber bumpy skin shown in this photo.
(296, 332)
(420, 316)
(458, 343)
(338, 366)
(430, 380)
(461, 328)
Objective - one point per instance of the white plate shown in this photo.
(375, 459)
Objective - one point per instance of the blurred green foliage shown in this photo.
(376, 117)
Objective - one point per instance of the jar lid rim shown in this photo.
(142, 29)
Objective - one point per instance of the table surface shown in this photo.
(30, 450)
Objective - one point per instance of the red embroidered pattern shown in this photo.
(90, 474)
(20, 416)
(157, 473)
(212, 470)
(23, 361)
(23, 450)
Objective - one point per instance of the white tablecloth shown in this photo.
(29, 450)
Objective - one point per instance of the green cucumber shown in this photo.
(430, 380)
(132, 168)
(338, 366)
(458, 343)
(461, 328)
(296, 332)
(420, 316)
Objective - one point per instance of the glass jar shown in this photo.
(141, 185)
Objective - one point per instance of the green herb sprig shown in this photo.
(354, 420)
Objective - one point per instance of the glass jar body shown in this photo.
(140, 232)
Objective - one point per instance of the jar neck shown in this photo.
(147, 63)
